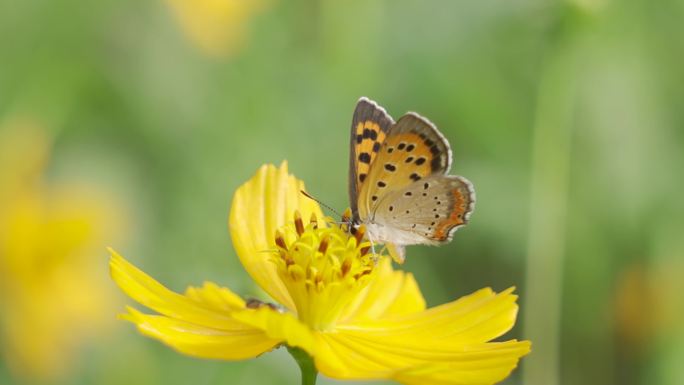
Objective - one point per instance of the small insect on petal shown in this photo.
(314, 221)
(253, 303)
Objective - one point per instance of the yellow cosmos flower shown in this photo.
(354, 315)
(217, 27)
(52, 296)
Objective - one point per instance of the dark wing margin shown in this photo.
(368, 130)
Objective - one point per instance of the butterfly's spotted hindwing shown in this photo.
(432, 208)
(461, 201)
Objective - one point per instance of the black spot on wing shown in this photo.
(390, 167)
(362, 177)
(420, 161)
(436, 164)
(376, 146)
(370, 134)
(415, 177)
(364, 157)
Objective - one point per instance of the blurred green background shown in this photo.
(566, 116)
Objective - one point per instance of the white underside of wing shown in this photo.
(379, 233)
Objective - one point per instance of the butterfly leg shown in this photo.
(376, 254)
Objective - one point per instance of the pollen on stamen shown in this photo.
(299, 225)
(323, 246)
(346, 218)
(360, 232)
(282, 248)
(280, 240)
(323, 263)
(361, 274)
(346, 266)
(314, 221)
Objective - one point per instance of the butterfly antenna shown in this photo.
(306, 194)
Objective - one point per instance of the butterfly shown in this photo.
(398, 183)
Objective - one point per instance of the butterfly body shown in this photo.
(398, 183)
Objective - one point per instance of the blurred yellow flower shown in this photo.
(218, 27)
(647, 304)
(357, 318)
(52, 296)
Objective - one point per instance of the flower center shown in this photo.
(323, 268)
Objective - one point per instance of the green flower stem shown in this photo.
(306, 365)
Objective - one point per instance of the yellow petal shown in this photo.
(200, 341)
(487, 365)
(391, 292)
(215, 297)
(279, 326)
(478, 317)
(344, 357)
(199, 324)
(260, 206)
(447, 336)
(146, 291)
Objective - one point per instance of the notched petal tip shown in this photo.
(130, 316)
